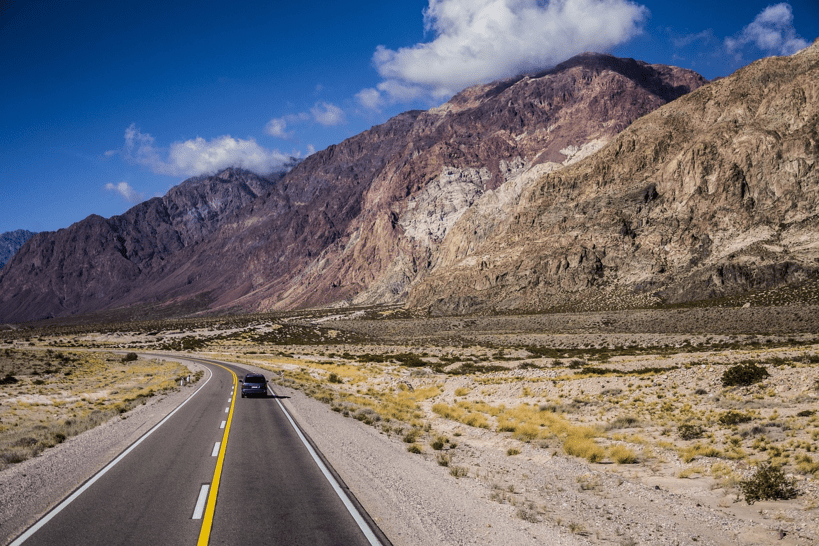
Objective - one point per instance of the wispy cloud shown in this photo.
(327, 114)
(477, 41)
(125, 191)
(277, 127)
(685, 40)
(771, 32)
(199, 156)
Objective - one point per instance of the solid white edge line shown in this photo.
(373, 540)
(216, 449)
(200, 502)
(59, 508)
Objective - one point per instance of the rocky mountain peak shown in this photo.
(712, 195)
(359, 222)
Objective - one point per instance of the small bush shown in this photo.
(411, 436)
(624, 421)
(698, 450)
(768, 483)
(130, 357)
(512, 451)
(458, 471)
(734, 418)
(414, 448)
(334, 378)
(806, 413)
(585, 448)
(688, 431)
(744, 374)
(443, 459)
(622, 455)
(9, 380)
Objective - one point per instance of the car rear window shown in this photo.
(254, 379)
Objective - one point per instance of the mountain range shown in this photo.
(600, 180)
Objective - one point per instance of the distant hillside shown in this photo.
(10, 242)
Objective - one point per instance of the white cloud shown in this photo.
(277, 127)
(477, 41)
(327, 114)
(370, 99)
(125, 191)
(200, 156)
(771, 31)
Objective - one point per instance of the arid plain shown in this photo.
(618, 427)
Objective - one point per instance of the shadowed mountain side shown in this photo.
(714, 194)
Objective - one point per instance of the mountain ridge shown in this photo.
(711, 195)
(359, 222)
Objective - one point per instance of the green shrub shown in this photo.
(130, 357)
(414, 448)
(744, 374)
(768, 483)
(334, 378)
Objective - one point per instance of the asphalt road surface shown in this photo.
(220, 470)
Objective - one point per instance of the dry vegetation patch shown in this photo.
(47, 396)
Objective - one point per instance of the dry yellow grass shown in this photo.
(56, 397)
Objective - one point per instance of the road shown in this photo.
(221, 469)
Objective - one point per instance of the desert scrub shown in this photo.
(622, 455)
(688, 454)
(744, 374)
(690, 431)
(584, 447)
(100, 387)
(768, 482)
(732, 417)
(458, 471)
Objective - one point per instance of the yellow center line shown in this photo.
(210, 508)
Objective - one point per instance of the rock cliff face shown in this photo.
(360, 222)
(10, 243)
(714, 194)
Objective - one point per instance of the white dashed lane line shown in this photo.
(223, 424)
(200, 502)
(216, 449)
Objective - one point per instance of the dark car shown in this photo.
(254, 384)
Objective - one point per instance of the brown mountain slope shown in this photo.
(358, 222)
(452, 155)
(714, 194)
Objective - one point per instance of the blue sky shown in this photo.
(104, 104)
